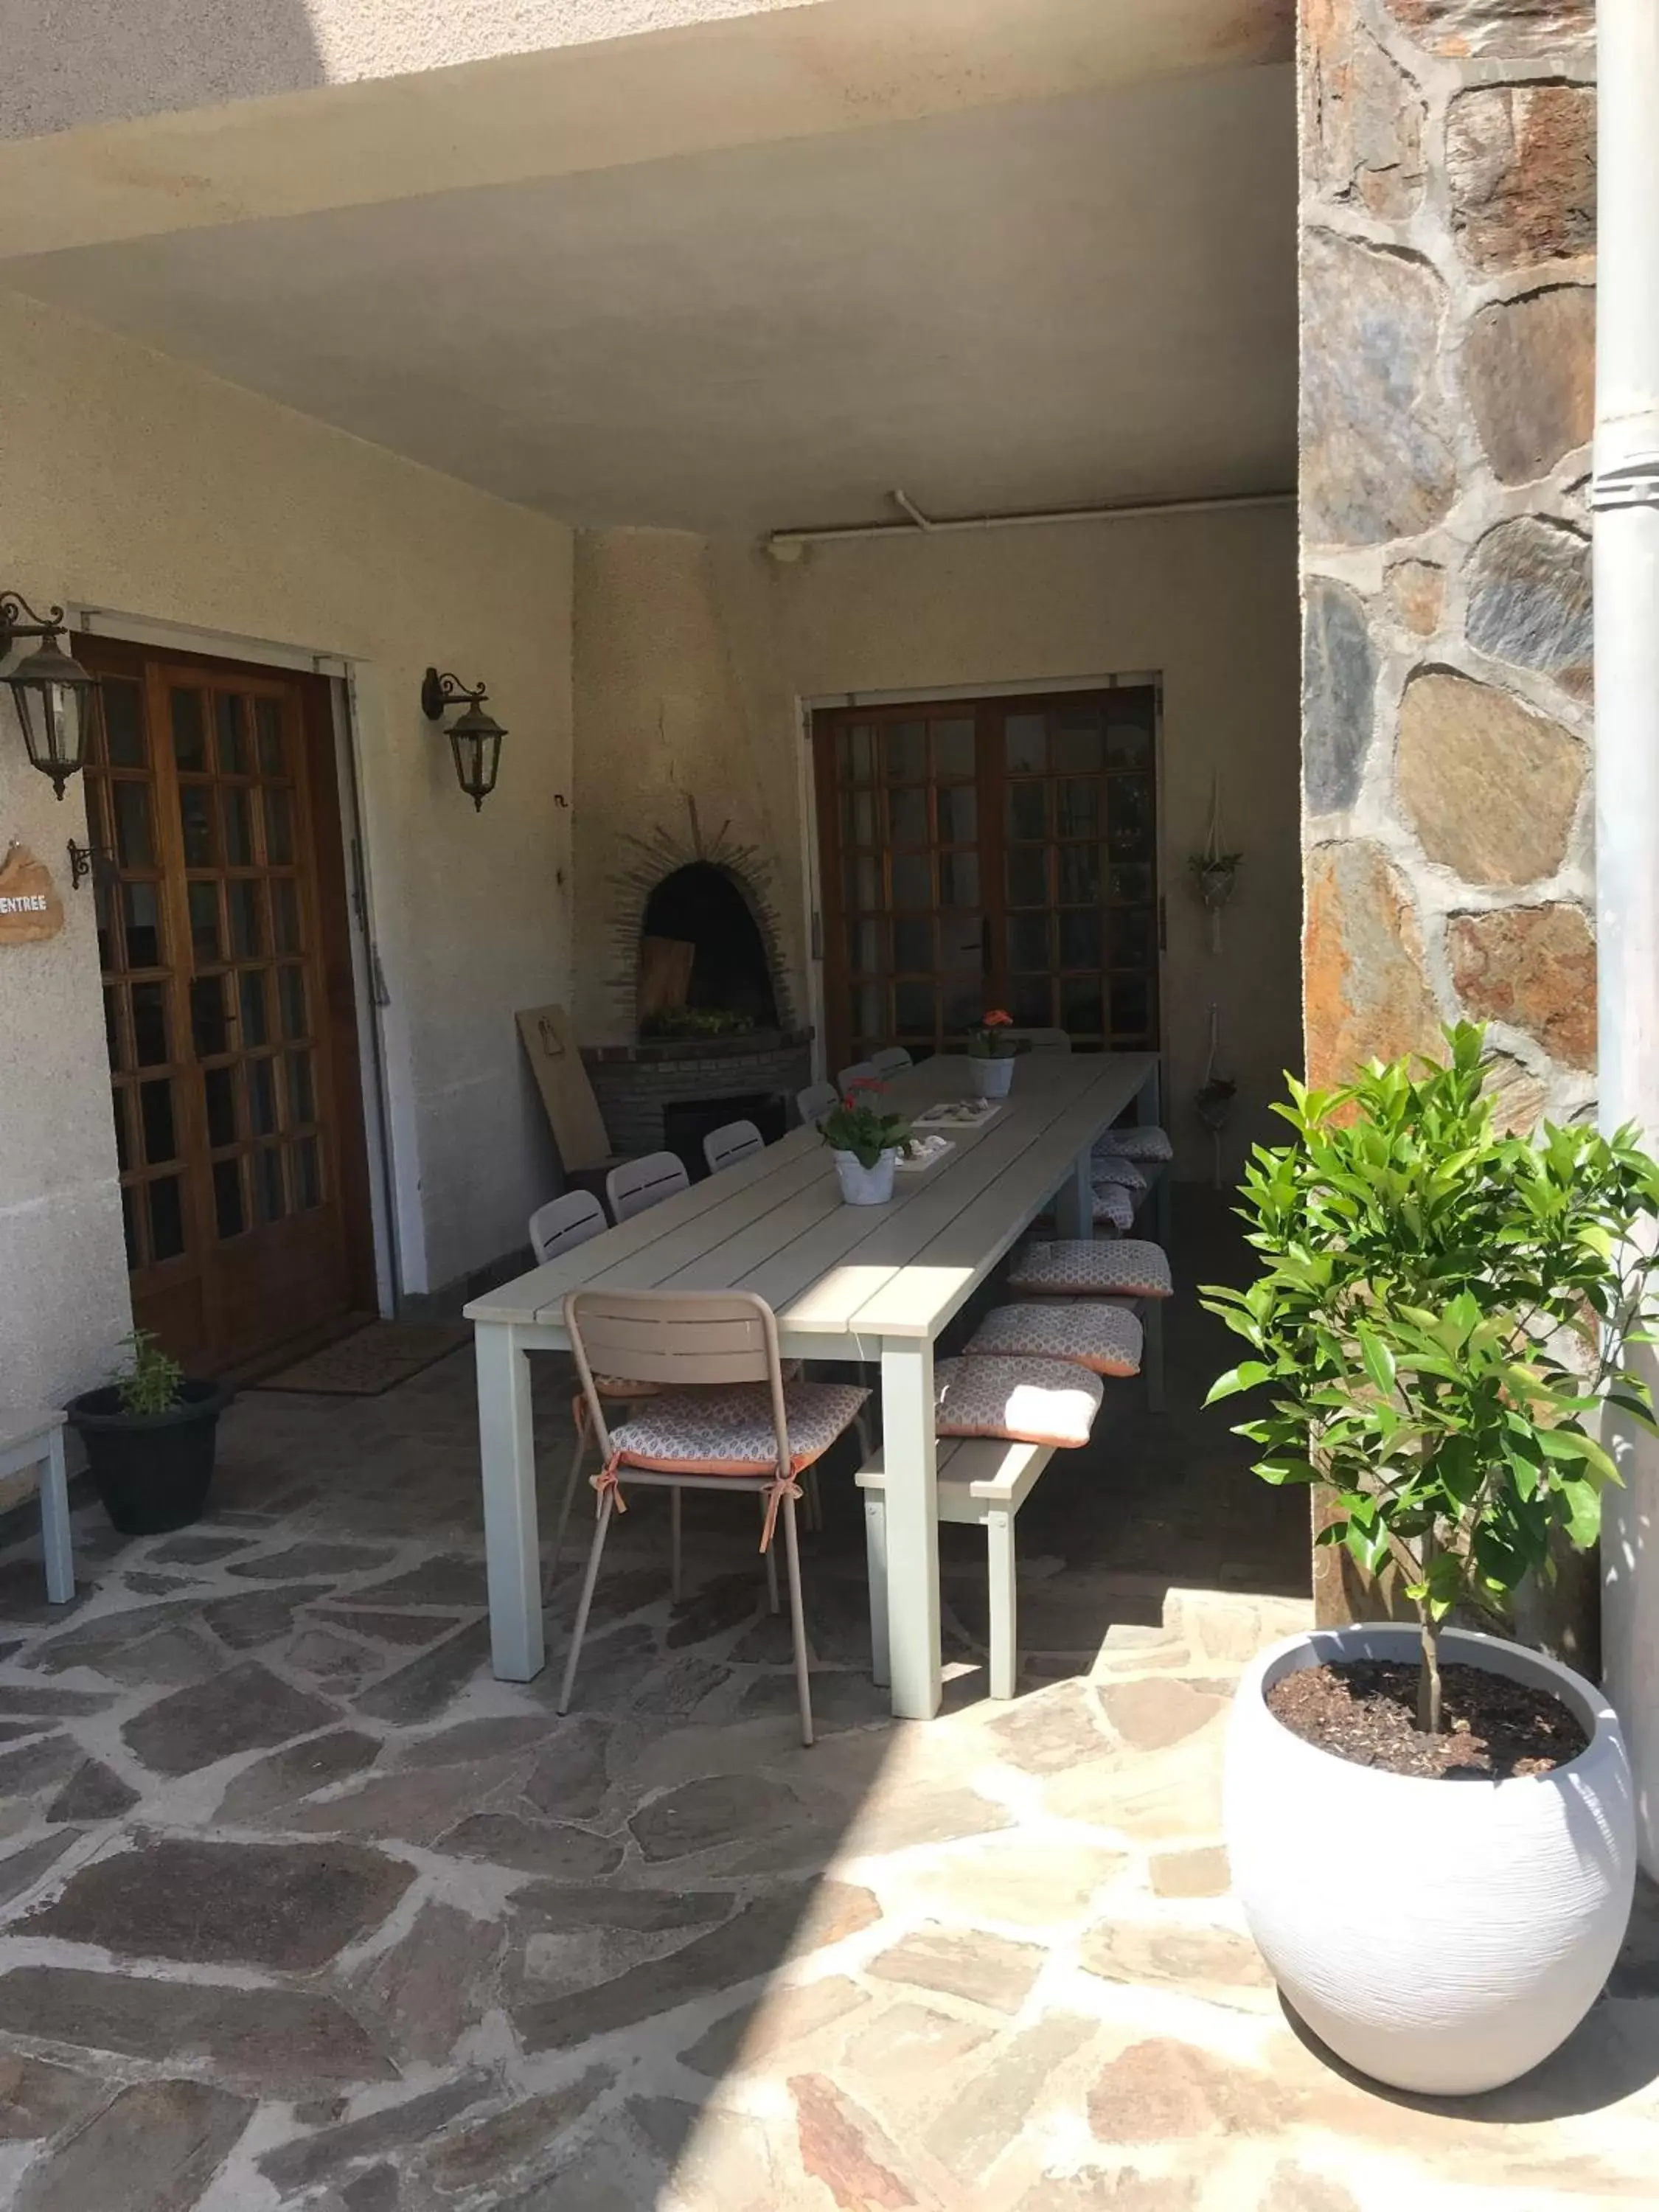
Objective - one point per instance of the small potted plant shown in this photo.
(991, 1053)
(150, 1434)
(866, 1143)
(1431, 1827)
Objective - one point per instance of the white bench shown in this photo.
(33, 1441)
(982, 1481)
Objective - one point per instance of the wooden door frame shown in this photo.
(328, 896)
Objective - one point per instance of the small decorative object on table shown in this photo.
(866, 1143)
(991, 1054)
(149, 1437)
(1443, 1310)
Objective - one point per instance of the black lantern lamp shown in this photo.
(475, 738)
(58, 701)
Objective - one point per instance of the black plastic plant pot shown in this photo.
(151, 1470)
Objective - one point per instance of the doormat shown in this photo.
(372, 1359)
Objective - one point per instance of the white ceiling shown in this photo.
(1076, 301)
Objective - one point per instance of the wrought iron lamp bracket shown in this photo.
(438, 693)
(13, 607)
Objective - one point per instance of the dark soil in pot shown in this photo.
(151, 1470)
(1365, 1711)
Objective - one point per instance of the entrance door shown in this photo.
(990, 853)
(227, 1002)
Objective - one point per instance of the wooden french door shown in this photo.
(223, 935)
(990, 853)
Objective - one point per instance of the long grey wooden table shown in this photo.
(864, 1283)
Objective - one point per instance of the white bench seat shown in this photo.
(983, 1482)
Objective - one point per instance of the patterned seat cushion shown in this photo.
(1142, 1143)
(1114, 1206)
(729, 1431)
(1033, 1402)
(1105, 1339)
(1112, 1167)
(1092, 1266)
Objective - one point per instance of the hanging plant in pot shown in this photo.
(1431, 1827)
(149, 1435)
(866, 1143)
(991, 1054)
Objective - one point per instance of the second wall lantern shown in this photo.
(475, 738)
(58, 701)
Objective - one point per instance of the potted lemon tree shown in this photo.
(1431, 1827)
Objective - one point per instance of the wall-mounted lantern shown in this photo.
(58, 701)
(475, 738)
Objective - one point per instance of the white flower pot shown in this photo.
(992, 1077)
(1443, 1936)
(863, 1186)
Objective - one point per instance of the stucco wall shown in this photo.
(707, 648)
(136, 484)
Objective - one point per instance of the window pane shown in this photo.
(238, 827)
(1078, 874)
(219, 1086)
(209, 1016)
(864, 885)
(913, 1009)
(1031, 1001)
(131, 803)
(291, 998)
(1079, 938)
(913, 948)
(229, 1212)
(167, 1218)
(959, 814)
(149, 1024)
(189, 730)
(141, 917)
(130, 1227)
(195, 818)
(261, 1097)
(1130, 883)
(234, 758)
(906, 745)
(964, 1002)
(279, 828)
(155, 1112)
(112, 1029)
(305, 1171)
(1131, 1005)
(301, 1092)
(1078, 747)
(870, 1012)
(103, 903)
(1080, 1004)
(1027, 744)
(856, 748)
(1132, 937)
(866, 947)
(254, 1025)
(858, 817)
(913, 882)
(285, 914)
(1129, 831)
(958, 879)
(1077, 808)
(268, 726)
(1028, 875)
(247, 919)
(268, 1200)
(1129, 735)
(206, 937)
(123, 724)
(1028, 943)
(954, 749)
(123, 1142)
(1028, 810)
(907, 817)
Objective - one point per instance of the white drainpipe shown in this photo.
(1627, 581)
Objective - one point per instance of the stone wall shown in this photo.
(1448, 312)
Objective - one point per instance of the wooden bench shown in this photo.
(982, 1481)
(32, 1442)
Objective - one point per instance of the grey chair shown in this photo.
(861, 1071)
(637, 1184)
(815, 1102)
(731, 1142)
(891, 1060)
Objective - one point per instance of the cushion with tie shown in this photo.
(1092, 1266)
(1139, 1142)
(727, 1429)
(1032, 1401)
(1092, 1333)
(1113, 1206)
(1112, 1167)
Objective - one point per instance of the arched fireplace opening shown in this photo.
(700, 906)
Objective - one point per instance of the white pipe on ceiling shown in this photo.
(786, 545)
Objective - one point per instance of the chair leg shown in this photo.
(771, 1568)
(1151, 1321)
(55, 1523)
(674, 1580)
(797, 1621)
(1004, 1603)
(875, 1545)
(814, 1497)
(585, 1606)
(573, 1484)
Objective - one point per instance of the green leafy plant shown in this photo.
(857, 1125)
(151, 1382)
(988, 1038)
(1443, 1311)
(1222, 864)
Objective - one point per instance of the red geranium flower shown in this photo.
(997, 1019)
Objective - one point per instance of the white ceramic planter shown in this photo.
(862, 1186)
(992, 1077)
(1442, 1936)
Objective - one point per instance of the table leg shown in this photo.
(55, 1523)
(1074, 1203)
(1148, 1103)
(507, 1453)
(910, 1449)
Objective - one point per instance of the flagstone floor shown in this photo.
(301, 1908)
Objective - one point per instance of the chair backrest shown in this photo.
(564, 1223)
(815, 1102)
(629, 1189)
(677, 1338)
(861, 1071)
(891, 1060)
(1042, 1040)
(733, 1141)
